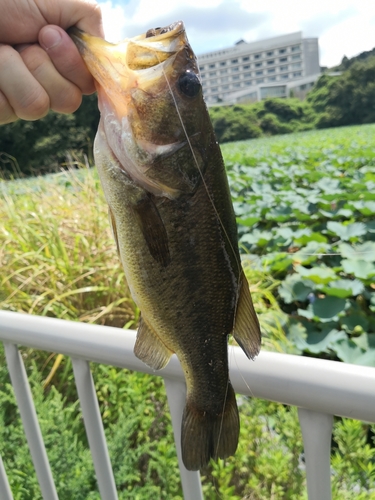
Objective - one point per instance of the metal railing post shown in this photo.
(94, 429)
(317, 432)
(30, 422)
(5, 491)
(191, 481)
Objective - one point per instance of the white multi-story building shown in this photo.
(267, 68)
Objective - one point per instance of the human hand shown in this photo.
(40, 67)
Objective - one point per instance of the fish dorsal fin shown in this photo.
(149, 348)
(153, 229)
(246, 329)
(114, 228)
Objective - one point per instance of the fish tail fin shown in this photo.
(206, 436)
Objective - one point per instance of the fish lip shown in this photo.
(172, 29)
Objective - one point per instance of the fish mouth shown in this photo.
(133, 62)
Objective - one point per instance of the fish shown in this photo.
(174, 225)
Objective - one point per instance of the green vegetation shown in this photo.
(306, 215)
(47, 145)
(268, 117)
(297, 195)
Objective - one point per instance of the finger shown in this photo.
(64, 96)
(7, 115)
(66, 58)
(85, 14)
(25, 95)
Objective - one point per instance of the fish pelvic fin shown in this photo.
(150, 349)
(206, 436)
(246, 329)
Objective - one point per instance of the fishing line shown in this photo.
(238, 262)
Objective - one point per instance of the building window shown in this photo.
(272, 70)
(249, 83)
(259, 73)
(295, 48)
(284, 68)
(271, 61)
(260, 80)
(223, 63)
(211, 66)
(296, 65)
(275, 91)
(258, 65)
(285, 76)
(247, 75)
(297, 73)
(235, 69)
(234, 61)
(225, 87)
(214, 89)
(296, 57)
(257, 56)
(212, 73)
(282, 51)
(283, 59)
(236, 77)
(247, 58)
(213, 81)
(237, 85)
(225, 79)
(269, 54)
(247, 66)
(203, 75)
(224, 71)
(272, 79)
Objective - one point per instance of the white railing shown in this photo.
(319, 388)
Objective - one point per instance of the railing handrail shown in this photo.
(319, 385)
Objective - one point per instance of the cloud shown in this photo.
(209, 26)
(317, 25)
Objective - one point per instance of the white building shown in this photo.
(267, 68)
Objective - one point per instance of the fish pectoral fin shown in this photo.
(112, 223)
(153, 229)
(246, 329)
(150, 349)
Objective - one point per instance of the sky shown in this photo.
(344, 27)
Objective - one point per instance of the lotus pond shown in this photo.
(305, 207)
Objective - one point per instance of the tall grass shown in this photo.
(57, 254)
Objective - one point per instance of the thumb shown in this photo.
(66, 58)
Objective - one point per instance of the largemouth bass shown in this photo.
(172, 218)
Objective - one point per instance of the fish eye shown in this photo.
(189, 84)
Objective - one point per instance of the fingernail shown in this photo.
(49, 38)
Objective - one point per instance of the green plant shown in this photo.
(306, 213)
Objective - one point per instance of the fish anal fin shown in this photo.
(150, 349)
(246, 329)
(112, 222)
(153, 229)
(205, 436)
